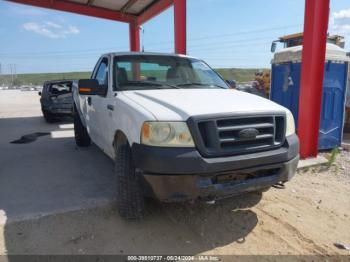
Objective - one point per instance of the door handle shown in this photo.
(110, 107)
(89, 100)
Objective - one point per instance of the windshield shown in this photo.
(142, 72)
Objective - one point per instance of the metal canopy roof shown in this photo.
(132, 7)
(128, 11)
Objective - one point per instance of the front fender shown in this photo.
(129, 119)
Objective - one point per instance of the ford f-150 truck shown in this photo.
(177, 132)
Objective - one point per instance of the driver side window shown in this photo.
(102, 73)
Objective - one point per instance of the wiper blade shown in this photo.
(200, 84)
(220, 87)
(191, 84)
(158, 84)
(162, 84)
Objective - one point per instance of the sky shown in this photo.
(225, 33)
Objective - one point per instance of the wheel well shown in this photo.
(120, 138)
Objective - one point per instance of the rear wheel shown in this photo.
(130, 197)
(82, 137)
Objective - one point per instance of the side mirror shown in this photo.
(91, 87)
(273, 47)
(39, 93)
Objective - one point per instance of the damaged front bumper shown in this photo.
(62, 109)
(182, 174)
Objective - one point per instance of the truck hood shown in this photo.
(180, 104)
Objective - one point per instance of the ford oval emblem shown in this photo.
(248, 133)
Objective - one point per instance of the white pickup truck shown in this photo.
(177, 132)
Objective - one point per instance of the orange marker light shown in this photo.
(146, 130)
(84, 89)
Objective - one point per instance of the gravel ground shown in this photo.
(306, 218)
(341, 165)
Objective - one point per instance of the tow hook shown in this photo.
(279, 185)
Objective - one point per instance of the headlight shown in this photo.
(167, 134)
(290, 130)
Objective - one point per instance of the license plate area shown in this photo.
(233, 177)
(236, 177)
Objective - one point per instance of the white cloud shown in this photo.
(340, 24)
(51, 29)
(73, 30)
(342, 14)
(52, 24)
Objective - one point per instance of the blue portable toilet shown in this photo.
(285, 90)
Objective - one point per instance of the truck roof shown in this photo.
(146, 53)
(58, 81)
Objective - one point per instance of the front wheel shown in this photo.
(130, 197)
(81, 135)
(263, 190)
(49, 117)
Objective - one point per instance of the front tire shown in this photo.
(263, 190)
(82, 138)
(130, 197)
(49, 117)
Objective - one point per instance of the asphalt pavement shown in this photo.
(48, 174)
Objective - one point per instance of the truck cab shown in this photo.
(176, 131)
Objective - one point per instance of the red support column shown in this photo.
(180, 26)
(312, 73)
(134, 34)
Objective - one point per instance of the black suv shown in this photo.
(56, 99)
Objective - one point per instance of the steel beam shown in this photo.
(78, 9)
(154, 10)
(312, 73)
(90, 2)
(128, 4)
